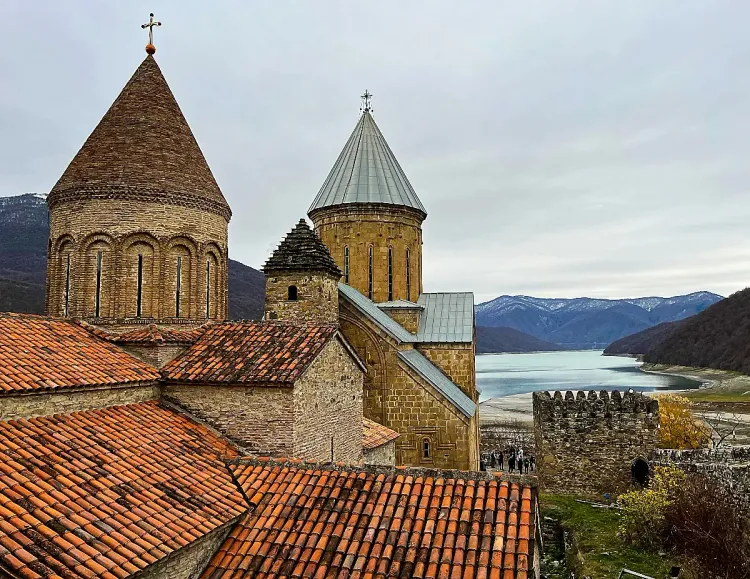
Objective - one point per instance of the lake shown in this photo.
(506, 374)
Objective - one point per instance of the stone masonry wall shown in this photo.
(123, 229)
(457, 361)
(384, 455)
(328, 408)
(586, 444)
(158, 355)
(399, 399)
(190, 561)
(406, 318)
(73, 400)
(360, 227)
(729, 466)
(317, 298)
(257, 418)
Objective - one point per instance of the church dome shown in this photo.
(142, 150)
(367, 172)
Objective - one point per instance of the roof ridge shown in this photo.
(302, 250)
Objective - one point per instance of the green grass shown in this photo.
(603, 554)
(711, 395)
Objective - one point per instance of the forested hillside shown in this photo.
(642, 342)
(493, 340)
(716, 338)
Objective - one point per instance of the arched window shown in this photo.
(98, 298)
(139, 288)
(208, 288)
(426, 449)
(390, 274)
(346, 264)
(66, 295)
(291, 293)
(369, 272)
(178, 287)
(639, 470)
(408, 274)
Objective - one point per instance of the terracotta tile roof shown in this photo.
(152, 334)
(38, 353)
(323, 521)
(105, 493)
(375, 435)
(247, 352)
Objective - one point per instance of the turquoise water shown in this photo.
(506, 374)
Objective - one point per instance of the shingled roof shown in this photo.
(302, 250)
(250, 352)
(367, 172)
(38, 353)
(375, 434)
(107, 493)
(142, 150)
(333, 521)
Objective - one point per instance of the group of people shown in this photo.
(517, 461)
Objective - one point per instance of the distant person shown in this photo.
(532, 463)
(482, 465)
(511, 462)
(500, 459)
(493, 461)
(526, 465)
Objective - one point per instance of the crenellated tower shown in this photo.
(138, 224)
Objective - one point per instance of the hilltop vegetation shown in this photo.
(492, 340)
(644, 341)
(718, 338)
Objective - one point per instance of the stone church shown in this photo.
(138, 425)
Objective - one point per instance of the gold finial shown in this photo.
(150, 48)
(366, 108)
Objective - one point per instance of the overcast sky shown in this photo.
(561, 148)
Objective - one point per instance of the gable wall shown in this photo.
(328, 407)
(456, 361)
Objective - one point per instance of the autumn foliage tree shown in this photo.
(679, 426)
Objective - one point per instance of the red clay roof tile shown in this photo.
(375, 435)
(247, 352)
(38, 353)
(330, 521)
(104, 493)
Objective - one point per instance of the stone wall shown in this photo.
(158, 355)
(317, 298)
(260, 419)
(189, 561)
(586, 444)
(328, 408)
(360, 227)
(398, 398)
(384, 455)
(729, 466)
(124, 229)
(407, 318)
(69, 400)
(457, 361)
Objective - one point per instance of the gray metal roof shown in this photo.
(367, 172)
(399, 305)
(447, 317)
(368, 308)
(439, 381)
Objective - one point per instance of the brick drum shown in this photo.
(586, 444)
(360, 227)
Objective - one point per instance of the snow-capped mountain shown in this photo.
(588, 322)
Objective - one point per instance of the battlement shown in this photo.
(604, 404)
(587, 442)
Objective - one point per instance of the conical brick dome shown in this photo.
(142, 150)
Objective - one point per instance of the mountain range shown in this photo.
(24, 230)
(588, 323)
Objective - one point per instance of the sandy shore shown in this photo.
(713, 382)
(507, 410)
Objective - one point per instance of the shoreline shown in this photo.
(716, 385)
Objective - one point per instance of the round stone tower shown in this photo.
(370, 218)
(138, 224)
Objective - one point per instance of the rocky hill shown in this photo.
(644, 341)
(24, 230)
(582, 323)
(495, 340)
(716, 338)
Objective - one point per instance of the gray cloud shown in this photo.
(561, 148)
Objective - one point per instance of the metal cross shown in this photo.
(366, 101)
(150, 27)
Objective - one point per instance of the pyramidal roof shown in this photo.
(142, 149)
(302, 250)
(367, 172)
